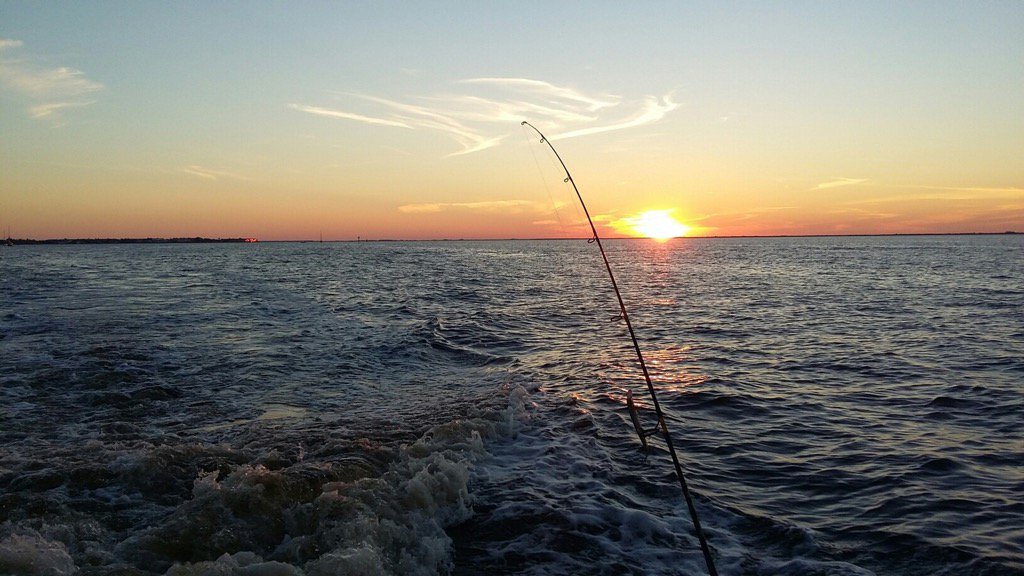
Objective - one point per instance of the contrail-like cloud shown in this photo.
(319, 111)
(478, 117)
(488, 206)
(546, 88)
(54, 108)
(211, 174)
(653, 111)
(839, 182)
(471, 139)
(948, 194)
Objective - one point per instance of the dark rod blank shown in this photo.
(643, 365)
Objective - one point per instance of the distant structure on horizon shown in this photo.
(195, 240)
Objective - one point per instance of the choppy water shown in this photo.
(841, 405)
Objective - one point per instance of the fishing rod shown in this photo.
(643, 367)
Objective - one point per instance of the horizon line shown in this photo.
(525, 239)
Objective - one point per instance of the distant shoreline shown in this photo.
(196, 240)
(200, 240)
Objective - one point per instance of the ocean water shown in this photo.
(841, 406)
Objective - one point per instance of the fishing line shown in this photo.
(579, 217)
(662, 427)
(554, 204)
(575, 221)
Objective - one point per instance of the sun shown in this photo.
(658, 224)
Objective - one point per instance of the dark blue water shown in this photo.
(841, 406)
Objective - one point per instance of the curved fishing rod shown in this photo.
(643, 365)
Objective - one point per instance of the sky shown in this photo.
(399, 120)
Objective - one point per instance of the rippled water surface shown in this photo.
(841, 406)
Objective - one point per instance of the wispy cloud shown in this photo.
(851, 213)
(54, 108)
(718, 218)
(484, 110)
(48, 91)
(838, 182)
(592, 103)
(211, 174)
(488, 206)
(45, 83)
(947, 194)
(986, 190)
(319, 111)
(469, 138)
(654, 110)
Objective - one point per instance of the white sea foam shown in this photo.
(399, 520)
(31, 554)
(238, 564)
(393, 523)
(806, 567)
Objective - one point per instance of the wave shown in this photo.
(355, 514)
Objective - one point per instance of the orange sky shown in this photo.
(398, 123)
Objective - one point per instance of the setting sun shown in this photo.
(657, 224)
